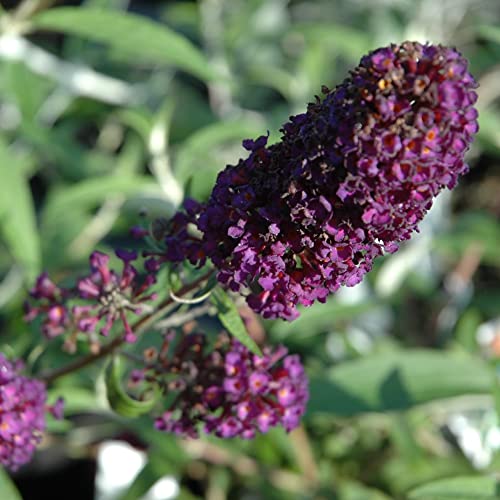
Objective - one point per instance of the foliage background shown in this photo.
(106, 119)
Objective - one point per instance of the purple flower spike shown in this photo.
(230, 391)
(22, 415)
(351, 178)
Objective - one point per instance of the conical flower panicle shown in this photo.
(225, 389)
(351, 178)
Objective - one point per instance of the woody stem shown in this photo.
(139, 327)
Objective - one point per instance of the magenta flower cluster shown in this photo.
(100, 299)
(351, 178)
(227, 390)
(22, 414)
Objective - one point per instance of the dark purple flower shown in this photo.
(22, 414)
(57, 409)
(179, 236)
(101, 298)
(51, 305)
(112, 295)
(228, 390)
(136, 377)
(351, 179)
(138, 232)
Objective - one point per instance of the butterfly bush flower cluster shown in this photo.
(226, 390)
(22, 414)
(100, 299)
(351, 178)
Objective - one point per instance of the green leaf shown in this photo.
(472, 229)
(274, 77)
(58, 147)
(89, 193)
(458, 488)
(162, 445)
(315, 320)
(68, 208)
(154, 469)
(135, 36)
(349, 490)
(119, 400)
(466, 329)
(76, 399)
(185, 494)
(231, 320)
(489, 131)
(131, 157)
(491, 33)
(204, 141)
(108, 4)
(8, 490)
(138, 119)
(348, 41)
(26, 88)
(17, 214)
(397, 381)
(403, 474)
(204, 153)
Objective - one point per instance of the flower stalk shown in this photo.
(139, 327)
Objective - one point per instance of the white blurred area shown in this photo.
(477, 435)
(118, 464)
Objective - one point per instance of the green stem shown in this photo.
(29, 8)
(139, 327)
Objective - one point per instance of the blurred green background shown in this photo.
(111, 109)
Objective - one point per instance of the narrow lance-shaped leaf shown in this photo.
(134, 36)
(118, 399)
(203, 142)
(491, 33)
(89, 193)
(397, 381)
(17, 214)
(231, 320)
(7, 488)
(154, 470)
(458, 488)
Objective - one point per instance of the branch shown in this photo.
(139, 327)
(182, 318)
